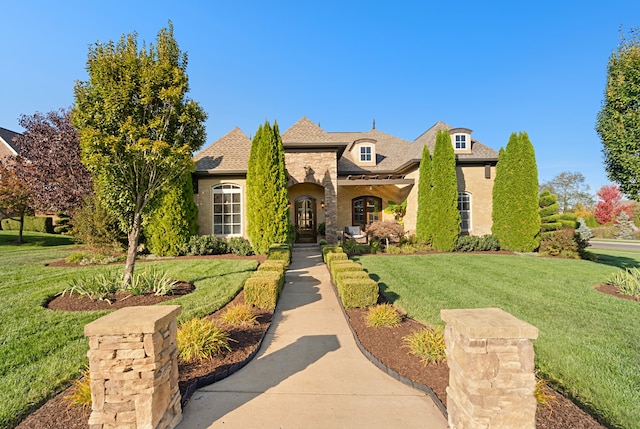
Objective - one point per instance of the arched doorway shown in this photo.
(305, 211)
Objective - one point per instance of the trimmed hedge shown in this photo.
(330, 248)
(31, 223)
(280, 252)
(273, 265)
(338, 266)
(262, 291)
(358, 292)
(332, 256)
(349, 275)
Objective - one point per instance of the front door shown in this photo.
(306, 220)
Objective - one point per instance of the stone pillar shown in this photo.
(133, 366)
(491, 371)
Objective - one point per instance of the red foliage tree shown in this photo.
(15, 195)
(49, 162)
(610, 204)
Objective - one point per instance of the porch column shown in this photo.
(331, 214)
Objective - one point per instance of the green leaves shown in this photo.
(445, 218)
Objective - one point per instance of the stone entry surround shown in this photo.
(133, 366)
(491, 370)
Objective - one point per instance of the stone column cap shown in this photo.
(488, 323)
(129, 320)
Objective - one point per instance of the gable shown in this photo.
(7, 146)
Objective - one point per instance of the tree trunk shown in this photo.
(21, 227)
(132, 249)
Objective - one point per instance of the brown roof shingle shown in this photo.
(228, 154)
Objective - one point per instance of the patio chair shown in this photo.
(355, 233)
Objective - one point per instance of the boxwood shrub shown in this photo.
(358, 292)
(348, 275)
(332, 256)
(273, 265)
(337, 266)
(330, 248)
(280, 252)
(262, 291)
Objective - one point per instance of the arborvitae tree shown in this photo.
(267, 204)
(516, 202)
(550, 219)
(445, 217)
(423, 229)
(499, 196)
(175, 220)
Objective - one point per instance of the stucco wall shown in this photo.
(385, 192)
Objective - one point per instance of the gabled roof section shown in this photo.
(307, 133)
(229, 154)
(6, 138)
(478, 150)
(391, 152)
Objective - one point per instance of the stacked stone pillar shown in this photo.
(491, 370)
(133, 366)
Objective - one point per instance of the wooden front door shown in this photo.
(306, 220)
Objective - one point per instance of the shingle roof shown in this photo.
(7, 137)
(231, 152)
(228, 154)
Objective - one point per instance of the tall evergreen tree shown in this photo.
(516, 203)
(175, 220)
(445, 217)
(423, 226)
(267, 205)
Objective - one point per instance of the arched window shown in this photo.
(366, 210)
(464, 207)
(227, 210)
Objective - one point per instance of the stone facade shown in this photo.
(491, 370)
(133, 366)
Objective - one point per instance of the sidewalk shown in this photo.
(309, 372)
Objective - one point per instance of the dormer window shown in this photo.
(460, 141)
(365, 153)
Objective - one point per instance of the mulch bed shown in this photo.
(385, 344)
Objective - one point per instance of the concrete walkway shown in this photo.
(309, 372)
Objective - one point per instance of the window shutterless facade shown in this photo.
(366, 210)
(227, 210)
(464, 207)
(365, 153)
(460, 141)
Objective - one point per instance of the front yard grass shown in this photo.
(42, 350)
(588, 342)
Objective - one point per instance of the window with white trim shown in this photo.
(365, 153)
(464, 207)
(227, 210)
(460, 141)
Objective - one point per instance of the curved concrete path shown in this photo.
(309, 372)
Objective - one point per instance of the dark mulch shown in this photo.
(385, 344)
(613, 290)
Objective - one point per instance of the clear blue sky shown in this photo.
(495, 67)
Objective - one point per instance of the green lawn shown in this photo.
(41, 350)
(589, 342)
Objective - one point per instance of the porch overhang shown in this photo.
(374, 179)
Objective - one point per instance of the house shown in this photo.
(7, 145)
(341, 179)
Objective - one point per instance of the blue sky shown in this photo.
(495, 67)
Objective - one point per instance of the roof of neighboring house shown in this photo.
(6, 138)
(393, 154)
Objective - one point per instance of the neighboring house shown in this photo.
(341, 179)
(7, 145)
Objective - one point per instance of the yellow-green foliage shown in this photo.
(338, 266)
(358, 292)
(272, 274)
(280, 252)
(81, 394)
(383, 315)
(428, 344)
(333, 256)
(344, 275)
(273, 265)
(542, 397)
(239, 315)
(201, 339)
(330, 248)
(262, 291)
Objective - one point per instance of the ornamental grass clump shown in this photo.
(383, 315)
(240, 315)
(200, 339)
(428, 344)
(627, 282)
(80, 395)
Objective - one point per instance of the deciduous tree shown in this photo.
(571, 190)
(137, 127)
(610, 204)
(15, 195)
(267, 204)
(618, 122)
(50, 165)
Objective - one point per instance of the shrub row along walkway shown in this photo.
(309, 372)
